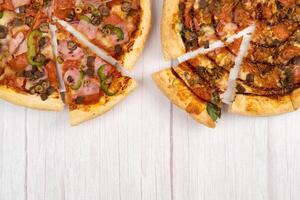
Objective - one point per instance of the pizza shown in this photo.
(268, 81)
(118, 27)
(92, 85)
(33, 74)
(28, 73)
(204, 78)
(190, 24)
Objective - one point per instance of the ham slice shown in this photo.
(74, 74)
(67, 54)
(18, 3)
(22, 48)
(88, 29)
(92, 88)
(15, 42)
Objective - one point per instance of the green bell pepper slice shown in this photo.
(116, 30)
(77, 85)
(32, 47)
(103, 79)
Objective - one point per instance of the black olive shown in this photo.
(19, 73)
(202, 4)
(1, 14)
(90, 71)
(106, 30)
(72, 45)
(22, 9)
(29, 20)
(32, 90)
(296, 60)
(39, 89)
(90, 61)
(42, 42)
(17, 22)
(104, 10)
(96, 20)
(240, 89)
(70, 16)
(40, 58)
(45, 84)
(44, 97)
(28, 74)
(50, 90)
(34, 69)
(44, 27)
(250, 78)
(126, 6)
(3, 32)
(79, 100)
(118, 49)
(38, 74)
(70, 79)
(206, 45)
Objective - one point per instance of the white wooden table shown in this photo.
(146, 149)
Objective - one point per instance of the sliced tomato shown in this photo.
(19, 62)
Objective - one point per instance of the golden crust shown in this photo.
(172, 44)
(130, 58)
(53, 103)
(80, 115)
(182, 97)
(260, 105)
(295, 96)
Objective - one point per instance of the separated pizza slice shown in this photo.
(179, 94)
(203, 79)
(29, 78)
(92, 85)
(118, 27)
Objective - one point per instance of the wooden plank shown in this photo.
(284, 157)
(229, 162)
(12, 152)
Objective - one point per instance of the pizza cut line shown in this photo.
(268, 82)
(28, 63)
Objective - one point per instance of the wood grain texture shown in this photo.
(146, 149)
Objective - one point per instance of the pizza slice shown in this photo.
(92, 85)
(191, 24)
(203, 79)
(29, 78)
(118, 27)
(268, 82)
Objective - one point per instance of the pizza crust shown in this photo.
(295, 96)
(172, 44)
(53, 103)
(130, 58)
(260, 105)
(81, 115)
(182, 97)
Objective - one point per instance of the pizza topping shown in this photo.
(3, 32)
(73, 77)
(1, 14)
(213, 111)
(104, 79)
(67, 54)
(33, 57)
(126, 6)
(88, 29)
(104, 10)
(70, 16)
(19, 3)
(72, 45)
(109, 29)
(15, 42)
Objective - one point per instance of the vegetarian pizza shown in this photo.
(29, 74)
(268, 81)
(119, 27)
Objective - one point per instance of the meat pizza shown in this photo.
(92, 85)
(268, 82)
(200, 83)
(118, 27)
